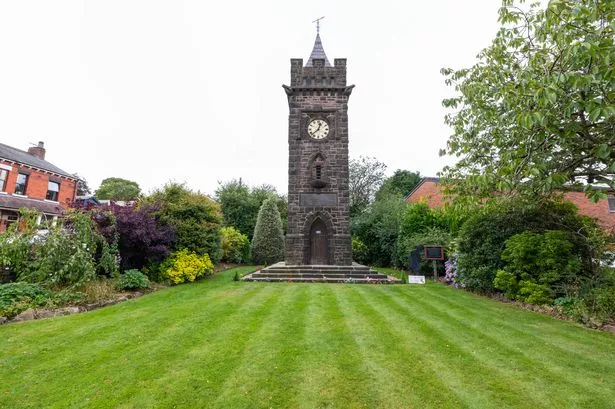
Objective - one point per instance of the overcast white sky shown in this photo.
(191, 91)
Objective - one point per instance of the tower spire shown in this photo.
(318, 52)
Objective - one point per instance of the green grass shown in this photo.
(225, 344)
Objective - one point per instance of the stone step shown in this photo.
(322, 280)
(319, 268)
(326, 272)
(355, 273)
(319, 275)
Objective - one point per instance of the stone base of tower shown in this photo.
(355, 274)
(299, 249)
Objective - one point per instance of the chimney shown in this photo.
(38, 151)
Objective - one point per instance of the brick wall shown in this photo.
(38, 183)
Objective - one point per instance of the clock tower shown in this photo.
(318, 195)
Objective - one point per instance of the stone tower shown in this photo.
(318, 197)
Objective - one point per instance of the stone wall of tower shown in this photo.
(318, 92)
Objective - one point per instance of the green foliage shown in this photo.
(18, 297)
(377, 228)
(419, 225)
(366, 175)
(537, 110)
(546, 258)
(416, 218)
(482, 239)
(118, 189)
(400, 184)
(133, 280)
(268, 239)
(506, 282)
(359, 251)
(235, 246)
(187, 266)
(534, 293)
(604, 302)
(65, 255)
(240, 204)
(196, 218)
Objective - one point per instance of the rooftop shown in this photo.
(17, 155)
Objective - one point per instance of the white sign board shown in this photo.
(416, 279)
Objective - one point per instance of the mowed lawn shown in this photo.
(225, 344)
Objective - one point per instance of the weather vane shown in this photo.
(317, 21)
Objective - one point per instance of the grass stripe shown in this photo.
(512, 360)
(476, 384)
(412, 380)
(268, 374)
(333, 373)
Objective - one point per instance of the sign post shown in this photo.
(434, 253)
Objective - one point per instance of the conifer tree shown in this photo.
(268, 239)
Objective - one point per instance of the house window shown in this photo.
(3, 176)
(22, 184)
(318, 172)
(53, 191)
(611, 200)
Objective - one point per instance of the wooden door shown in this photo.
(319, 247)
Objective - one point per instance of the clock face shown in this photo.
(318, 128)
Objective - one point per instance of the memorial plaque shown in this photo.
(434, 253)
(416, 279)
(318, 199)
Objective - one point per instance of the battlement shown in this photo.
(318, 75)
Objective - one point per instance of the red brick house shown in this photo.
(429, 191)
(27, 180)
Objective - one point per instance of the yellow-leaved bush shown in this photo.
(186, 265)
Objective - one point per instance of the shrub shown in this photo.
(65, 255)
(604, 305)
(97, 290)
(536, 265)
(268, 239)
(534, 293)
(235, 246)
(377, 228)
(240, 204)
(359, 251)
(133, 280)
(18, 297)
(507, 282)
(196, 218)
(142, 239)
(546, 258)
(482, 239)
(187, 266)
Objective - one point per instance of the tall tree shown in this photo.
(118, 189)
(400, 184)
(240, 204)
(366, 175)
(82, 186)
(536, 113)
(268, 239)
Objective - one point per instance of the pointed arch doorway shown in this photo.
(319, 243)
